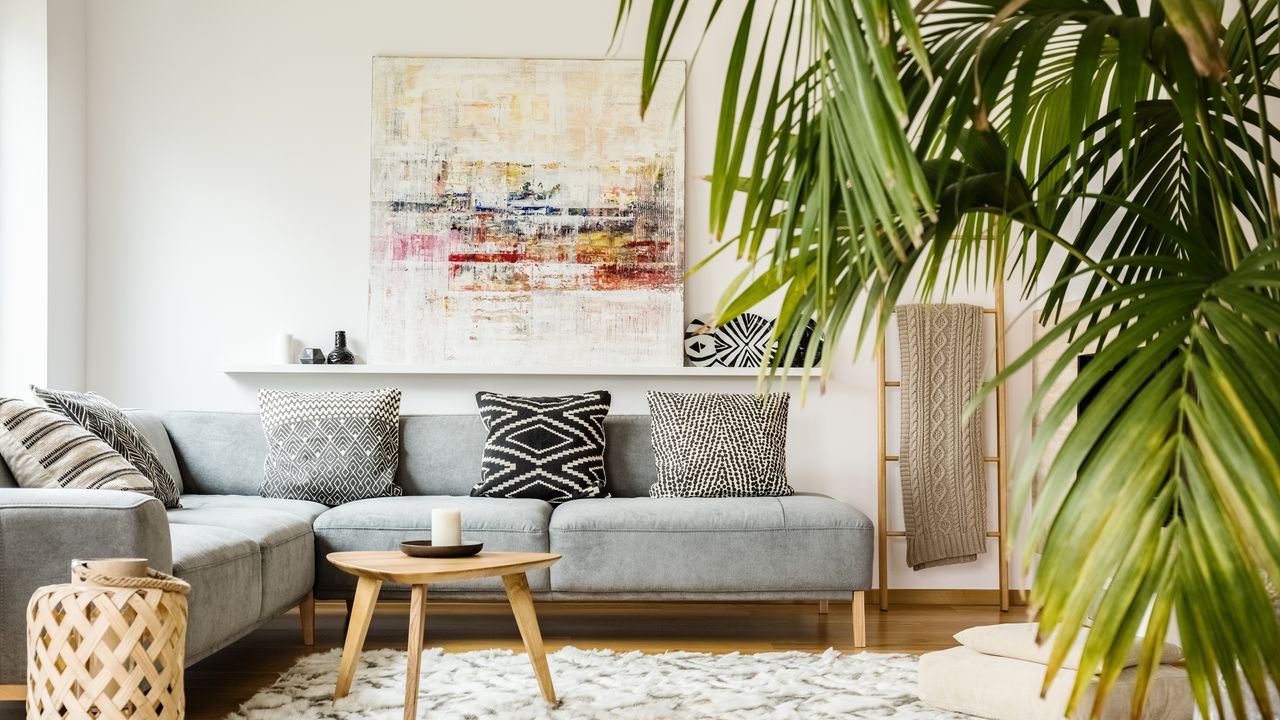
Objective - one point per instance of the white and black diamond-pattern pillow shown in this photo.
(330, 447)
(548, 448)
(720, 444)
(101, 417)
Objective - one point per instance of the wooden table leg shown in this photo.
(417, 620)
(522, 606)
(358, 627)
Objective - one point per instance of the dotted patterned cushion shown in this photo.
(330, 447)
(46, 450)
(101, 417)
(548, 448)
(720, 444)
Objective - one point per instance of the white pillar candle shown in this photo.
(446, 526)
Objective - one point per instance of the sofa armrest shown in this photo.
(43, 530)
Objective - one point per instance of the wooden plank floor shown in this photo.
(217, 685)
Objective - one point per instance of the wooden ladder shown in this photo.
(1000, 459)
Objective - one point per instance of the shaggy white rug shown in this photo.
(602, 684)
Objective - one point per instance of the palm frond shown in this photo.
(868, 149)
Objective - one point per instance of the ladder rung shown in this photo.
(988, 311)
(902, 533)
(897, 458)
(893, 383)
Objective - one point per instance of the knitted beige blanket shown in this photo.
(944, 489)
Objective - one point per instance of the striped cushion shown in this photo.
(45, 450)
(101, 417)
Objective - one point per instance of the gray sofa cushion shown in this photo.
(224, 568)
(222, 453)
(713, 545)
(302, 509)
(513, 525)
(282, 533)
(628, 458)
(152, 428)
(440, 454)
(219, 453)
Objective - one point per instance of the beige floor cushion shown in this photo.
(1018, 641)
(967, 681)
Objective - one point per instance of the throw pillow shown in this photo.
(720, 444)
(330, 447)
(101, 417)
(46, 450)
(548, 448)
(1018, 641)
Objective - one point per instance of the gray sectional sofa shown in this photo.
(250, 559)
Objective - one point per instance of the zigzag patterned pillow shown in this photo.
(547, 448)
(330, 447)
(101, 417)
(46, 450)
(720, 444)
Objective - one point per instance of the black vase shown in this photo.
(340, 354)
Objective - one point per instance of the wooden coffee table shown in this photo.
(375, 568)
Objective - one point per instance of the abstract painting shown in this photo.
(523, 214)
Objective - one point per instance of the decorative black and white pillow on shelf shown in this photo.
(743, 341)
(547, 448)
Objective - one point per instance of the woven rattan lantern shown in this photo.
(110, 645)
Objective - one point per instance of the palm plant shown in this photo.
(1124, 149)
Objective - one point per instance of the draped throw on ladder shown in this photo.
(944, 488)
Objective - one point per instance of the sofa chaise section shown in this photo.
(764, 548)
(43, 530)
(245, 566)
(248, 559)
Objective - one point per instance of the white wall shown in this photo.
(42, 202)
(67, 202)
(228, 172)
(24, 176)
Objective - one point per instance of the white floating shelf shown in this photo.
(266, 369)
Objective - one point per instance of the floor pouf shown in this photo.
(107, 647)
(988, 686)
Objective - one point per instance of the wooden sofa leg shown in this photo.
(859, 619)
(13, 692)
(307, 612)
(824, 607)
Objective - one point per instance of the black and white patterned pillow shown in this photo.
(548, 448)
(330, 447)
(44, 449)
(101, 417)
(720, 444)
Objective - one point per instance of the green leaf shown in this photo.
(1117, 154)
